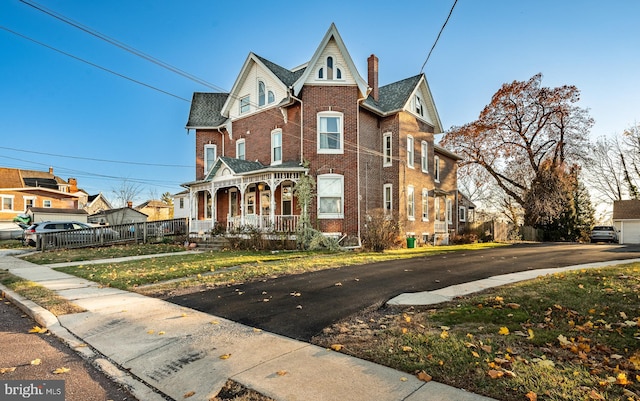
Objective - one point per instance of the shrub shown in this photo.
(381, 230)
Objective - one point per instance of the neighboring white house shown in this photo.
(181, 207)
(626, 219)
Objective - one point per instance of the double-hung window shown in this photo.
(388, 197)
(46, 203)
(245, 104)
(209, 157)
(276, 146)
(425, 205)
(462, 213)
(386, 150)
(423, 157)
(7, 202)
(410, 151)
(436, 169)
(411, 203)
(330, 196)
(419, 107)
(240, 149)
(330, 132)
(449, 211)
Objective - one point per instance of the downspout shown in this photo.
(301, 126)
(222, 139)
(358, 102)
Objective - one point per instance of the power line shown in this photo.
(439, 33)
(98, 160)
(121, 45)
(93, 64)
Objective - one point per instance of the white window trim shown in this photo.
(425, 205)
(385, 200)
(44, 203)
(410, 151)
(262, 101)
(436, 169)
(462, 213)
(424, 154)
(339, 215)
(204, 158)
(240, 104)
(273, 134)
(322, 114)
(449, 211)
(387, 160)
(26, 198)
(238, 143)
(13, 202)
(417, 101)
(411, 203)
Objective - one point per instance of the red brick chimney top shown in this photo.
(372, 70)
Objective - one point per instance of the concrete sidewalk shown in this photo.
(161, 350)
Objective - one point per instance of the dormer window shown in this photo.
(245, 104)
(332, 72)
(261, 94)
(265, 96)
(419, 107)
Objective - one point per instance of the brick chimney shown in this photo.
(372, 70)
(129, 204)
(51, 170)
(73, 185)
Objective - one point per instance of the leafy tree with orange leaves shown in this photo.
(530, 139)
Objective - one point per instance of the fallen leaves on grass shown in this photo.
(36, 362)
(61, 370)
(337, 347)
(7, 370)
(504, 331)
(424, 376)
(225, 356)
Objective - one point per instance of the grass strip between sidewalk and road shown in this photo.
(107, 252)
(42, 296)
(214, 268)
(561, 337)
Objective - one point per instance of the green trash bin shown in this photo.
(411, 242)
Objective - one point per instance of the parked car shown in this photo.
(604, 234)
(81, 232)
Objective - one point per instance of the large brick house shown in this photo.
(365, 146)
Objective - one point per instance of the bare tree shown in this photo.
(127, 192)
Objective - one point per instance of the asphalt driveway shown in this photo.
(300, 306)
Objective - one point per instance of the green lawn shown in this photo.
(235, 266)
(570, 336)
(107, 252)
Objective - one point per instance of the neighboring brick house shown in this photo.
(366, 147)
(626, 219)
(22, 189)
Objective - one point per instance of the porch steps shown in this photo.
(212, 244)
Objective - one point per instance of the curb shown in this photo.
(139, 389)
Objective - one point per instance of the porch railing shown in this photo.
(279, 224)
(440, 227)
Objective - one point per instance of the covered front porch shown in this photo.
(238, 194)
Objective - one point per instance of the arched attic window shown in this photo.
(261, 94)
(333, 72)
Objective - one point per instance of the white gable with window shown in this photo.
(331, 68)
(255, 89)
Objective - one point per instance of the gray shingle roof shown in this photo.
(286, 76)
(394, 96)
(205, 110)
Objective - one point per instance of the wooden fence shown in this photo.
(147, 232)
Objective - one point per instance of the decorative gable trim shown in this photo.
(265, 72)
(332, 34)
(430, 115)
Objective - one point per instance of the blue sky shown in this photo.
(60, 112)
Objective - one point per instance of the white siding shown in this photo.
(338, 62)
(629, 231)
(249, 87)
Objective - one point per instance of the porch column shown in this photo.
(241, 189)
(272, 201)
(214, 203)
